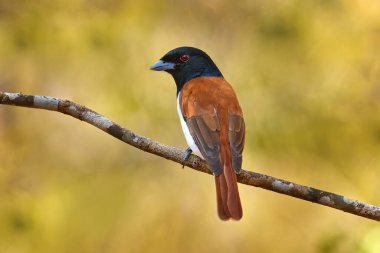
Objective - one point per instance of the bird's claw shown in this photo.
(186, 156)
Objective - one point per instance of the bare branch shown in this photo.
(171, 153)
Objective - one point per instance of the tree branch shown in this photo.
(174, 154)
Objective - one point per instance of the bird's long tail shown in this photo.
(227, 194)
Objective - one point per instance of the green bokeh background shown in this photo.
(307, 74)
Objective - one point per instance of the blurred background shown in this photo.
(307, 74)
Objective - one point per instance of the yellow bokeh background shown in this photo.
(307, 74)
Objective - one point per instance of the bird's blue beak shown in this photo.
(162, 65)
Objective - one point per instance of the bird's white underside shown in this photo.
(186, 132)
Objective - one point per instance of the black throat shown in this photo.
(186, 73)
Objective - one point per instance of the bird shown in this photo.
(211, 119)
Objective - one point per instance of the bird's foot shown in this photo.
(186, 156)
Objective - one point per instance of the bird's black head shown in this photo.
(186, 63)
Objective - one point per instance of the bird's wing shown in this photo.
(236, 136)
(214, 118)
(205, 130)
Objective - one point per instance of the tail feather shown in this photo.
(228, 199)
(229, 205)
(221, 197)
(233, 200)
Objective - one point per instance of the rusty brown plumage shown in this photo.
(215, 120)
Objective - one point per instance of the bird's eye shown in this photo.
(184, 57)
